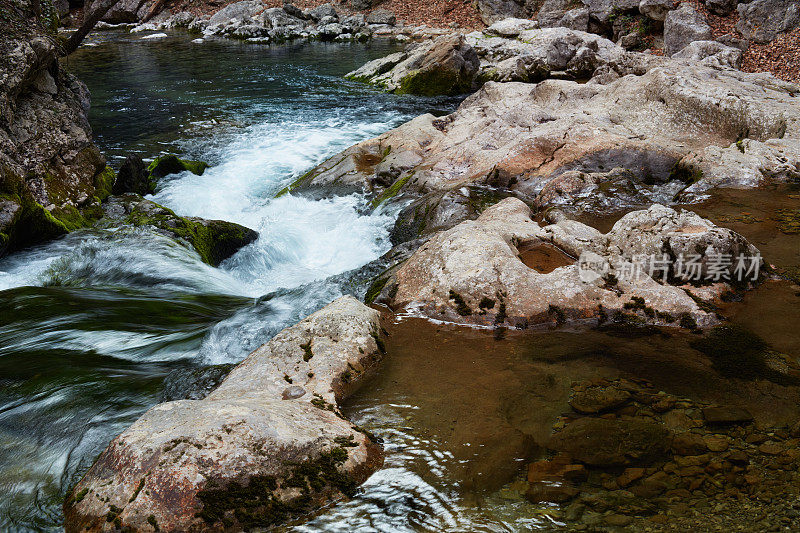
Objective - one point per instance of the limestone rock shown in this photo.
(471, 273)
(682, 27)
(762, 20)
(124, 11)
(675, 122)
(244, 457)
(602, 10)
(656, 9)
(446, 65)
(320, 12)
(243, 10)
(712, 54)
(51, 173)
(510, 27)
(535, 54)
(492, 11)
(381, 16)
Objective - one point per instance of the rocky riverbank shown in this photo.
(52, 176)
(764, 34)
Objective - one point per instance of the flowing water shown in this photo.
(92, 326)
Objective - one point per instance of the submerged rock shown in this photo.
(443, 66)
(248, 455)
(52, 176)
(473, 272)
(600, 442)
(214, 240)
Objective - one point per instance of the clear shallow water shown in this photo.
(91, 325)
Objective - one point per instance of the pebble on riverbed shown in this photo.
(714, 469)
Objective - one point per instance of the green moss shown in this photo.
(113, 512)
(561, 316)
(392, 191)
(740, 146)
(346, 442)
(307, 177)
(637, 303)
(433, 82)
(461, 306)
(307, 353)
(214, 240)
(501, 314)
(103, 183)
(687, 321)
(81, 495)
(139, 488)
(153, 522)
(375, 289)
(169, 164)
(379, 342)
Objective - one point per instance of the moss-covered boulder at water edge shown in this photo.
(214, 240)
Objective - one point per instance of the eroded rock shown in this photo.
(472, 273)
(248, 455)
(676, 121)
(52, 176)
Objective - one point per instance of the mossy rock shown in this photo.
(433, 82)
(214, 240)
(170, 164)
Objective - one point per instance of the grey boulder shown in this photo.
(682, 27)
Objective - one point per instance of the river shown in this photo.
(100, 325)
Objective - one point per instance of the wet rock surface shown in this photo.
(446, 65)
(249, 455)
(672, 122)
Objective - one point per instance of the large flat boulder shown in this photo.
(268, 445)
